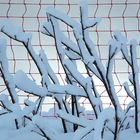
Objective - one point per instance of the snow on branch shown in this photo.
(61, 16)
(14, 110)
(47, 28)
(73, 119)
(76, 85)
(106, 115)
(83, 132)
(18, 35)
(74, 72)
(14, 32)
(67, 89)
(72, 55)
(119, 37)
(7, 77)
(5, 102)
(51, 74)
(47, 130)
(130, 94)
(87, 59)
(114, 47)
(87, 23)
(98, 70)
(96, 103)
(129, 107)
(29, 86)
(135, 75)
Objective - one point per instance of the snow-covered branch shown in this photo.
(87, 23)
(47, 28)
(7, 77)
(135, 71)
(113, 120)
(46, 130)
(130, 94)
(73, 119)
(29, 86)
(67, 89)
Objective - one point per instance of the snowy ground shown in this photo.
(8, 132)
(15, 135)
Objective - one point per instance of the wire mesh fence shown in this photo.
(123, 15)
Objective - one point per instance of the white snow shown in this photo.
(47, 28)
(130, 94)
(67, 89)
(75, 73)
(51, 74)
(106, 115)
(36, 127)
(29, 86)
(47, 127)
(56, 13)
(73, 119)
(4, 68)
(87, 23)
(13, 31)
